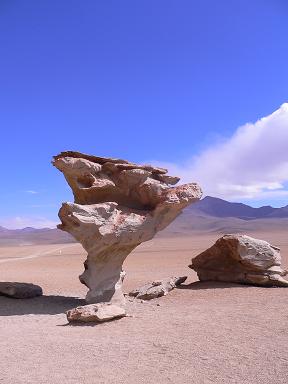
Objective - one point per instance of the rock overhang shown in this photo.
(117, 205)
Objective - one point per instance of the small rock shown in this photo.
(20, 290)
(95, 313)
(157, 288)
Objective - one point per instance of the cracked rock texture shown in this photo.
(157, 288)
(117, 205)
(95, 313)
(241, 259)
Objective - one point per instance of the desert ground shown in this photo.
(200, 333)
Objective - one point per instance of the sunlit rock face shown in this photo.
(241, 259)
(117, 205)
(97, 313)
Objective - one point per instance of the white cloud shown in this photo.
(252, 164)
(19, 222)
(31, 191)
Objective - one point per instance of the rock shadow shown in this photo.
(211, 285)
(42, 305)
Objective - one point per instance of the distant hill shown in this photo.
(210, 215)
(29, 235)
(213, 215)
(215, 207)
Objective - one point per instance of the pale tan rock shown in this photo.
(118, 205)
(95, 313)
(157, 288)
(241, 259)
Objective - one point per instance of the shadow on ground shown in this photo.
(43, 305)
(211, 285)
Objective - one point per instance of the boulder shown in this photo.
(95, 313)
(20, 290)
(241, 259)
(157, 288)
(117, 206)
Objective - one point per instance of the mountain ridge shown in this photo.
(216, 207)
(208, 215)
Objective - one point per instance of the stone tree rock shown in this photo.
(118, 205)
(241, 259)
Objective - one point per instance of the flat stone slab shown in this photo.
(157, 288)
(20, 290)
(95, 313)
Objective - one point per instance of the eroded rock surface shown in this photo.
(95, 313)
(20, 290)
(157, 288)
(241, 259)
(118, 205)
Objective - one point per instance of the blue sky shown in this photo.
(145, 80)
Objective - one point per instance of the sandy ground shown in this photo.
(202, 333)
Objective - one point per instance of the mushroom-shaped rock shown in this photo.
(118, 205)
(241, 259)
(157, 288)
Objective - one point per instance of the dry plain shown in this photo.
(201, 333)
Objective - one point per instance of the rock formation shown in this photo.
(20, 290)
(241, 259)
(95, 313)
(157, 288)
(118, 205)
